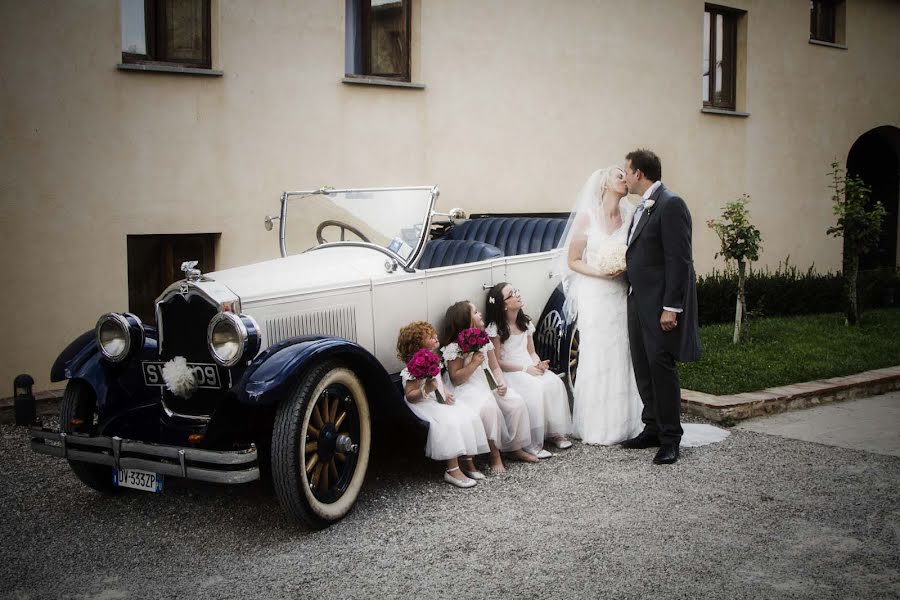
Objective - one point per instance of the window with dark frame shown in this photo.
(167, 32)
(823, 20)
(378, 43)
(720, 57)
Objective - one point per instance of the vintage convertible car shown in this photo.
(290, 363)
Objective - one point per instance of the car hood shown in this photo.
(311, 272)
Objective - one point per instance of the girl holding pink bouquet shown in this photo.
(479, 383)
(454, 431)
(512, 333)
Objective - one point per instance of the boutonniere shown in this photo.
(648, 204)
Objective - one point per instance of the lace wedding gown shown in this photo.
(607, 408)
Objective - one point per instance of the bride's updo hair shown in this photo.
(496, 313)
(457, 318)
(603, 181)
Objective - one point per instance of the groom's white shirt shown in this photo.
(634, 223)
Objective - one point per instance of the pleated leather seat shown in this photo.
(444, 252)
(513, 235)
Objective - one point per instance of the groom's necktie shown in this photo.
(637, 218)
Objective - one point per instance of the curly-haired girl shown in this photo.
(454, 431)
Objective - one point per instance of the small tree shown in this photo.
(860, 226)
(741, 242)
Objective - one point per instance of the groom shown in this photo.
(662, 303)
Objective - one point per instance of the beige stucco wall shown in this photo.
(523, 100)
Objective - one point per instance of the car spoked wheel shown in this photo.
(78, 414)
(574, 339)
(320, 445)
(330, 449)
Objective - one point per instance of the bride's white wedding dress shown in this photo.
(607, 408)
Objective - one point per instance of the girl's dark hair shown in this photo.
(497, 315)
(457, 318)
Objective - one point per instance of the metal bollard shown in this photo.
(26, 412)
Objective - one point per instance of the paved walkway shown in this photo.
(869, 424)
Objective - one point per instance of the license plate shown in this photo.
(206, 374)
(138, 480)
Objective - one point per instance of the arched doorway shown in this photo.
(875, 157)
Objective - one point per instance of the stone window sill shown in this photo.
(377, 81)
(828, 44)
(169, 69)
(723, 112)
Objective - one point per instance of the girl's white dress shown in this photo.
(505, 418)
(453, 429)
(545, 396)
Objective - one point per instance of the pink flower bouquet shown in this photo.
(474, 339)
(425, 364)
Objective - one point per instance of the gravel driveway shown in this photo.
(756, 516)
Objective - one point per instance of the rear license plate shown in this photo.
(206, 374)
(138, 480)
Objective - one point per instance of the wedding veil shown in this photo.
(586, 215)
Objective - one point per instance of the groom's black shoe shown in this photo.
(641, 441)
(667, 455)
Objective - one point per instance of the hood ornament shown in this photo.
(190, 272)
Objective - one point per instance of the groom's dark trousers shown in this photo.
(660, 271)
(657, 381)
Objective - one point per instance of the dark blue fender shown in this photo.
(75, 354)
(119, 388)
(273, 375)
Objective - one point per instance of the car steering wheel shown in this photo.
(344, 227)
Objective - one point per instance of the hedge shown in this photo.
(788, 291)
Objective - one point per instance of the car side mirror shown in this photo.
(269, 222)
(457, 216)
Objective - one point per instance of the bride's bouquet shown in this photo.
(474, 339)
(609, 258)
(423, 365)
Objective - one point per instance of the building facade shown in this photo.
(137, 131)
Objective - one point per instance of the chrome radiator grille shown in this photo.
(339, 321)
(183, 324)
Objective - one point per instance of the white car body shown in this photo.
(347, 292)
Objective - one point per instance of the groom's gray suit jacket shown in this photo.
(660, 270)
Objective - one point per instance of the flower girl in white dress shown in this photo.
(455, 432)
(512, 333)
(467, 374)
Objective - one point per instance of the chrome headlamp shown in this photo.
(118, 335)
(232, 337)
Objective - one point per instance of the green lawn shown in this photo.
(792, 350)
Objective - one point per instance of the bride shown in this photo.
(607, 406)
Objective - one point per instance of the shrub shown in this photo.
(788, 291)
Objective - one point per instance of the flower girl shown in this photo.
(512, 333)
(454, 430)
(479, 383)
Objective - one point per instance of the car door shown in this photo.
(447, 285)
(533, 275)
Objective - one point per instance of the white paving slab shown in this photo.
(868, 424)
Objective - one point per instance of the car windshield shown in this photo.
(393, 220)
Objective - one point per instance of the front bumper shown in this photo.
(239, 466)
